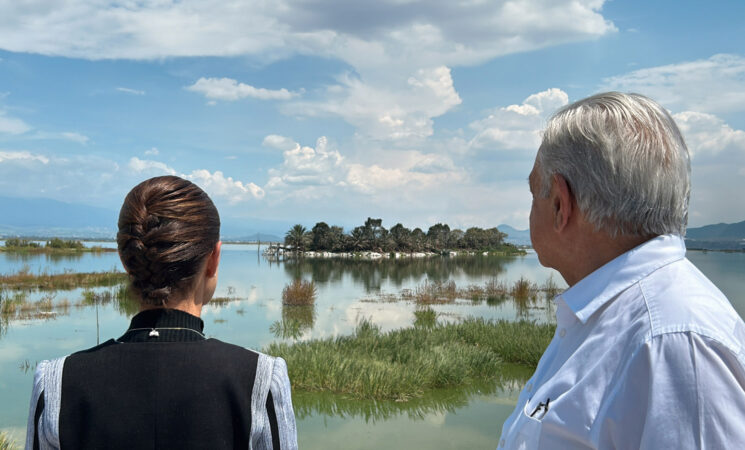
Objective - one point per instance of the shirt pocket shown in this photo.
(529, 435)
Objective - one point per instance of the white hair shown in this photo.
(625, 162)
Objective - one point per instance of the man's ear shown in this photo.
(213, 261)
(561, 202)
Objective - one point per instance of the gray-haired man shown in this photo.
(648, 353)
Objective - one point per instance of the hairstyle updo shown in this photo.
(167, 227)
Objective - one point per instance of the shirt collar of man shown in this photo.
(593, 291)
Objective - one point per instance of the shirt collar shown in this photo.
(593, 291)
(173, 325)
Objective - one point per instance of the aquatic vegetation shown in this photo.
(550, 288)
(430, 293)
(6, 443)
(54, 245)
(299, 292)
(403, 364)
(24, 279)
(523, 288)
(426, 318)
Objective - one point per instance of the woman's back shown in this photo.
(162, 384)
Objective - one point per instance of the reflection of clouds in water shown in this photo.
(437, 418)
(12, 353)
(389, 316)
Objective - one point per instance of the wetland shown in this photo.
(420, 317)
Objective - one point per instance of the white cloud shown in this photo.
(22, 156)
(12, 125)
(708, 134)
(152, 152)
(388, 110)
(75, 137)
(145, 165)
(279, 142)
(428, 32)
(214, 183)
(712, 85)
(304, 166)
(230, 90)
(517, 126)
(130, 91)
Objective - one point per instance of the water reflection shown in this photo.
(296, 320)
(371, 274)
(441, 401)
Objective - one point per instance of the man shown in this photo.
(648, 353)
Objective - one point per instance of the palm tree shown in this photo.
(298, 237)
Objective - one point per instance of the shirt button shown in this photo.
(562, 332)
(501, 443)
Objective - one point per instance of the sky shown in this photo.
(415, 111)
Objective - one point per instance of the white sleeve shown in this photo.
(680, 390)
(281, 395)
(36, 393)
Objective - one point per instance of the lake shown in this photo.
(348, 290)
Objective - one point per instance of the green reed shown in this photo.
(404, 364)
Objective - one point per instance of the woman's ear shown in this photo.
(213, 261)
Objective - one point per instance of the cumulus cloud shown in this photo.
(152, 152)
(713, 85)
(155, 167)
(231, 90)
(12, 125)
(214, 183)
(130, 91)
(304, 166)
(517, 126)
(708, 134)
(428, 32)
(399, 112)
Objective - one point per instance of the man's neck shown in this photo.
(593, 250)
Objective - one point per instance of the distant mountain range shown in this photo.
(40, 217)
(720, 236)
(43, 218)
(515, 236)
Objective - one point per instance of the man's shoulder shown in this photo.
(680, 299)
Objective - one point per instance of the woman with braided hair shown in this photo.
(162, 384)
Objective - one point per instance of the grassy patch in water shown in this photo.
(404, 364)
(25, 279)
(299, 292)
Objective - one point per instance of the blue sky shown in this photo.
(301, 111)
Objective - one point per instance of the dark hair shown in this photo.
(167, 227)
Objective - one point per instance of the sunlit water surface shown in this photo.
(347, 291)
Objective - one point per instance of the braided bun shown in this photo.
(167, 227)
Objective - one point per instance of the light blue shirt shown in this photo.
(648, 353)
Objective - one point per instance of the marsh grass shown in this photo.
(6, 443)
(404, 364)
(550, 288)
(425, 318)
(523, 288)
(430, 293)
(24, 279)
(299, 292)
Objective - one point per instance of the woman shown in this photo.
(162, 384)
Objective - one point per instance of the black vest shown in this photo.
(168, 388)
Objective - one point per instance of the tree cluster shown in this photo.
(372, 236)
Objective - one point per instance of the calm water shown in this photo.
(347, 291)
